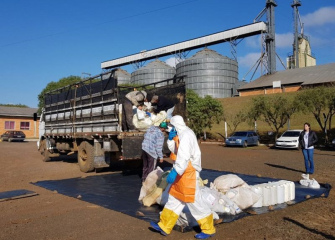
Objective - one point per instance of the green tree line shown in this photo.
(277, 110)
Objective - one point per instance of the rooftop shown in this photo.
(17, 111)
(305, 76)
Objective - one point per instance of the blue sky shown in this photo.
(43, 41)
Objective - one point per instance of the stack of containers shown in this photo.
(274, 193)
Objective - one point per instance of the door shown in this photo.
(250, 139)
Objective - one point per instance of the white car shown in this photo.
(289, 139)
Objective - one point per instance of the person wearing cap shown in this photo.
(134, 98)
(185, 188)
(152, 148)
(163, 104)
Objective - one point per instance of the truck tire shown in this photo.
(45, 152)
(86, 157)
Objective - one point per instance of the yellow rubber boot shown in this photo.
(167, 221)
(207, 225)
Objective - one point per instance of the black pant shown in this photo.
(127, 115)
(149, 164)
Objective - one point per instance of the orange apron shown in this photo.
(173, 155)
(184, 186)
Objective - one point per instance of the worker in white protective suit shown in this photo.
(185, 188)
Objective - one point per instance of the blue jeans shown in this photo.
(309, 163)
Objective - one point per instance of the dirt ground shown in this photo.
(54, 216)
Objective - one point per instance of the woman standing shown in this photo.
(307, 140)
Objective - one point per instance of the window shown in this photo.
(9, 125)
(24, 125)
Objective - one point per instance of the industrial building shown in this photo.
(305, 56)
(290, 80)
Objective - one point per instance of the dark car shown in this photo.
(243, 139)
(13, 136)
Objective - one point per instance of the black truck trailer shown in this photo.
(85, 118)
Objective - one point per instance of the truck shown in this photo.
(85, 118)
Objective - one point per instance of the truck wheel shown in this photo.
(45, 152)
(86, 157)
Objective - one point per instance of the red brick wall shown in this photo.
(17, 123)
(269, 91)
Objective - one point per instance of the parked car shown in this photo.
(333, 143)
(13, 136)
(243, 139)
(289, 139)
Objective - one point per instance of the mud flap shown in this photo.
(101, 159)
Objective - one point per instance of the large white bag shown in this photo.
(227, 182)
(149, 184)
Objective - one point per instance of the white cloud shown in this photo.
(249, 60)
(284, 40)
(320, 17)
(173, 61)
(253, 42)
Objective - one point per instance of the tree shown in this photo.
(320, 102)
(14, 105)
(234, 120)
(202, 113)
(55, 85)
(275, 110)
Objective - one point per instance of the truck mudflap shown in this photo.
(101, 158)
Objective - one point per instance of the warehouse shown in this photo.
(291, 80)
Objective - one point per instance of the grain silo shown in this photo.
(122, 76)
(155, 71)
(209, 73)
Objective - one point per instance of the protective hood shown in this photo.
(178, 122)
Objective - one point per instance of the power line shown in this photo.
(102, 23)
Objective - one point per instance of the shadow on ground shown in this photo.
(283, 167)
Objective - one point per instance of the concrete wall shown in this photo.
(31, 133)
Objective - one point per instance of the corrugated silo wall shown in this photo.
(152, 73)
(210, 76)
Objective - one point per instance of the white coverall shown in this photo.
(188, 151)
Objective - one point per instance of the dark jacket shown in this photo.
(312, 139)
(163, 104)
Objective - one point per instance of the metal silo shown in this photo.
(209, 73)
(155, 71)
(122, 76)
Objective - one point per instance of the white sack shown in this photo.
(150, 182)
(227, 182)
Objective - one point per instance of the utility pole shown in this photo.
(295, 5)
(270, 37)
